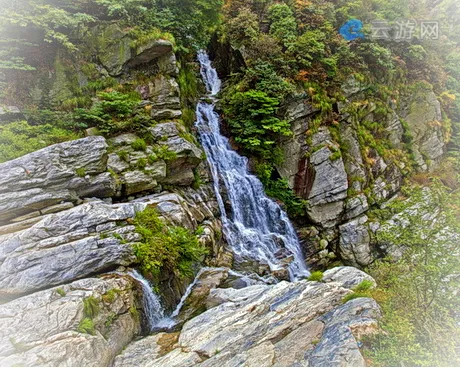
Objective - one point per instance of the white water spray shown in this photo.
(153, 310)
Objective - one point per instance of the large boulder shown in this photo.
(354, 244)
(286, 324)
(55, 174)
(328, 178)
(118, 51)
(47, 329)
(67, 245)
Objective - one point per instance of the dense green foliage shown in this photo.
(419, 291)
(172, 248)
(19, 138)
(251, 115)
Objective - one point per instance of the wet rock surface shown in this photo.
(288, 324)
(45, 328)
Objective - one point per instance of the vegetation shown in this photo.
(19, 138)
(315, 276)
(91, 309)
(172, 248)
(418, 291)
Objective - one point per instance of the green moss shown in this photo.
(196, 179)
(110, 319)
(87, 326)
(134, 313)
(336, 155)
(109, 295)
(315, 276)
(91, 307)
(141, 163)
(139, 145)
(61, 292)
(124, 155)
(81, 172)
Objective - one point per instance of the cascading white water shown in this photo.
(257, 227)
(153, 310)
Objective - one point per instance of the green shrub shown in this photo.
(112, 113)
(363, 286)
(19, 138)
(91, 307)
(61, 292)
(87, 326)
(109, 295)
(315, 276)
(164, 153)
(252, 119)
(165, 247)
(139, 145)
(279, 189)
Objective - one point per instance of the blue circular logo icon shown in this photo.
(351, 30)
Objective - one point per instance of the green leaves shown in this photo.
(163, 247)
(252, 118)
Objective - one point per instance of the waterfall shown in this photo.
(153, 310)
(257, 228)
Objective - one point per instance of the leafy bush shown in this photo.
(315, 276)
(112, 113)
(252, 118)
(282, 23)
(19, 138)
(163, 247)
(419, 292)
(139, 145)
(86, 325)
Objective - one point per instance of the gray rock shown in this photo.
(347, 277)
(164, 95)
(41, 329)
(354, 242)
(150, 51)
(63, 247)
(330, 183)
(343, 327)
(10, 113)
(116, 164)
(424, 118)
(138, 181)
(355, 206)
(41, 179)
(265, 325)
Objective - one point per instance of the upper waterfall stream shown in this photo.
(257, 228)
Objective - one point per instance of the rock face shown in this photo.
(118, 53)
(41, 179)
(71, 171)
(329, 184)
(44, 329)
(67, 245)
(287, 324)
(423, 115)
